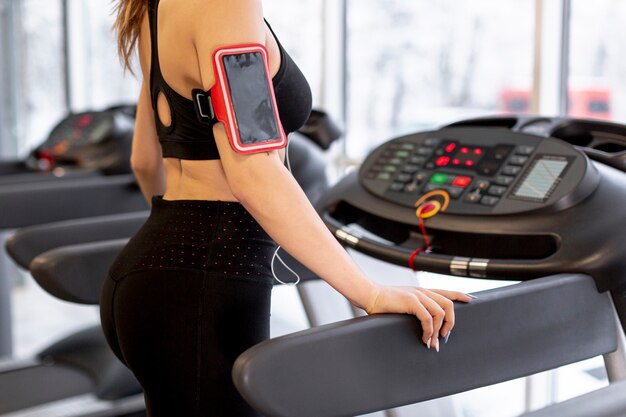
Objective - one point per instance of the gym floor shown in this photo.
(39, 319)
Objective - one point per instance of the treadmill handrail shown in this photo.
(44, 202)
(29, 242)
(63, 271)
(512, 269)
(345, 368)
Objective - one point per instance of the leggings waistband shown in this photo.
(211, 235)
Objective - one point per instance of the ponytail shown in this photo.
(127, 27)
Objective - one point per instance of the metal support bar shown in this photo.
(615, 362)
(566, 21)
(67, 81)
(537, 57)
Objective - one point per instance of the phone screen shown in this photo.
(251, 99)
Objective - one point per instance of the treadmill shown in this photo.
(90, 143)
(546, 209)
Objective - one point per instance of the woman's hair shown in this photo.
(127, 26)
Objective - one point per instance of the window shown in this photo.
(298, 26)
(98, 78)
(40, 70)
(420, 64)
(8, 68)
(597, 73)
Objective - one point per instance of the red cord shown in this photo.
(412, 259)
(426, 242)
(423, 230)
(428, 208)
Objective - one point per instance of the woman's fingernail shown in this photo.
(437, 345)
(472, 296)
(428, 344)
(447, 337)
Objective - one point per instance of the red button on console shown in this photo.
(462, 181)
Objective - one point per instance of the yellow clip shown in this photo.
(440, 205)
(428, 209)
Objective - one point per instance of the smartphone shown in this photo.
(243, 98)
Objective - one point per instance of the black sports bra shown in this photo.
(188, 138)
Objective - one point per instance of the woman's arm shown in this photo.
(273, 197)
(146, 160)
(271, 194)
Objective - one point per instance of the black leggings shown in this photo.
(187, 295)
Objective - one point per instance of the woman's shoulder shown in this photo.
(221, 12)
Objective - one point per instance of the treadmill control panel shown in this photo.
(79, 130)
(484, 171)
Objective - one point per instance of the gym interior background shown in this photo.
(380, 67)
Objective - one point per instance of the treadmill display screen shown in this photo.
(541, 179)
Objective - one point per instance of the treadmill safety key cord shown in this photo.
(429, 205)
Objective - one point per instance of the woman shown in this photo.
(191, 290)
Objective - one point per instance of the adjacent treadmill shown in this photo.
(86, 144)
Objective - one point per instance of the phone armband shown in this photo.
(243, 99)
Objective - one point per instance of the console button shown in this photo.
(462, 181)
(518, 160)
(525, 150)
(420, 178)
(407, 146)
(430, 165)
(418, 160)
(472, 198)
(431, 141)
(411, 188)
(404, 178)
(383, 176)
(424, 151)
(401, 154)
(496, 190)
(481, 185)
(410, 169)
(397, 186)
(439, 178)
(504, 180)
(455, 192)
(511, 170)
(390, 168)
(500, 152)
(489, 200)
(395, 161)
(432, 187)
(371, 175)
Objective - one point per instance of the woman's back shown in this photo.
(182, 26)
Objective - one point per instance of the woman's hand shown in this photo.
(433, 308)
